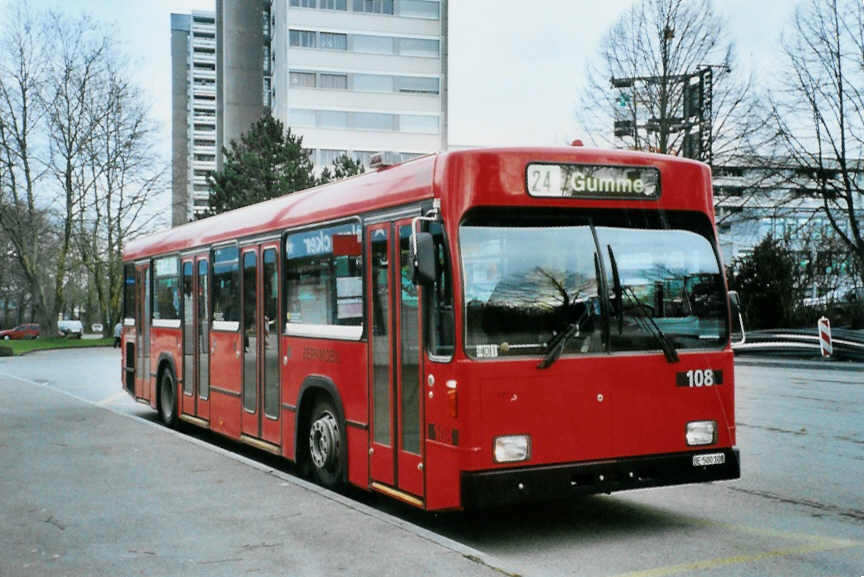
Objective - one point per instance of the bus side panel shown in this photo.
(343, 363)
(162, 340)
(225, 383)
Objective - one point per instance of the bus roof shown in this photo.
(473, 176)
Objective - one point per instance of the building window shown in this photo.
(374, 6)
(334, 81)
(364, 157)
(334, 4)
(326, 156)
(373, 83)
(421, 85)
(303, 3)
(417, 47)
(419, 9)
(266, 101)
(204, 66)
(166, 289)
(372, 44)
(302, 79)
(301, 117)
(204, 127)
(302, 38)
(324, 281)
(226, 285)
(205, 143)
(205, 157)
(333, 41)
(372, 121)
(332, 119)
(417, 123)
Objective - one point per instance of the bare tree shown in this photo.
(819, 113)
(23, 66)
(653, 52)
(125, 174)
(76, 76)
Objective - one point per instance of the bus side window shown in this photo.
(439, 300)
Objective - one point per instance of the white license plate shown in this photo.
(710, 459)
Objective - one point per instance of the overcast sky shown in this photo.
(516, 67)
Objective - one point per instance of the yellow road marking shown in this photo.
(812, 544)
(721, 561)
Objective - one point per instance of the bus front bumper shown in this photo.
(549, 482)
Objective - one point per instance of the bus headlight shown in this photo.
(701, 432)
(512, 448)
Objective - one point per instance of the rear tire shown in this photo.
(168, 398)
(326, 448)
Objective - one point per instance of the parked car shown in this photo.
(69, 328)
(27, 331)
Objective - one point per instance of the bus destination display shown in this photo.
(593, 181)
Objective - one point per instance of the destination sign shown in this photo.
(593, 181)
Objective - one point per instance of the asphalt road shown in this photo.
(797, 510)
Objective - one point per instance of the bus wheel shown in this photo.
(168, 398)
(325, 445)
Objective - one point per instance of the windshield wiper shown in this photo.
(616, 288)
(665, 343)
(558, 341)
(643, 318)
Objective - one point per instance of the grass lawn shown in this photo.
(19, 347)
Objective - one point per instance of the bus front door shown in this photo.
(396, 459)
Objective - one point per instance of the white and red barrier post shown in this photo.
(824, 329)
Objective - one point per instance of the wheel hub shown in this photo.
(324, 441)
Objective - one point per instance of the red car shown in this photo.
(28, 331)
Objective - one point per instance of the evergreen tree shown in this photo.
(342, 167)
(769, 286)
(269, 161)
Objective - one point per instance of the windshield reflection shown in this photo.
(524, 285)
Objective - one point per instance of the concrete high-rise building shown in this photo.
(351, 76)
(193, 118)
(242, 66)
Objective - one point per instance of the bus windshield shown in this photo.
(526, 284)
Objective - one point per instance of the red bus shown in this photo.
(464, 329)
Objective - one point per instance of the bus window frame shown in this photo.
(164, 323)
(211, 276)
(323, 331)
(699, 223)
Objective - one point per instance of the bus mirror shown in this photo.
(735, 306)
(733, 300)
(423, 258)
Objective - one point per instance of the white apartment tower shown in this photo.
(193, 62)
(351, 77)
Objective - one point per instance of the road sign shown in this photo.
(824, 328)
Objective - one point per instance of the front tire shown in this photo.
(326, 450)
(168, 398)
